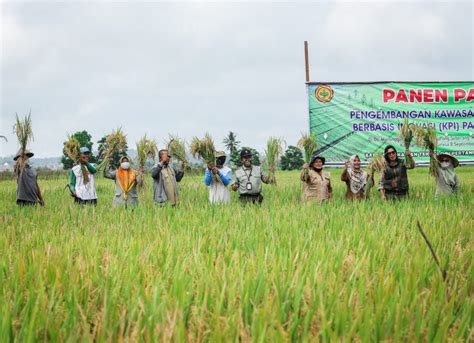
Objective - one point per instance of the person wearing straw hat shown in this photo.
(125, 183)
(165, 180)
(355, 178)
(28, 192)
(217, 177)
(248, 180)
(393, 182)
(81, 180)
(316, 182)
(447, 182)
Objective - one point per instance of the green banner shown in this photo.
(362, 118)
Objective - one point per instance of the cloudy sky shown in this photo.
(188, 68)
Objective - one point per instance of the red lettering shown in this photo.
(401, 96)
(459, 94)
(470, 97)
(428, 95)
(441, 95)
(416, 95)
(388, 94)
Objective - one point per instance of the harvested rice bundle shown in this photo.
(407, 134)
(203, 148)
(308, 144)
(72, 149)
(272, 153)
(116, 143)
(426, 138)
(177, 148)
(24, 133)
(146, 149)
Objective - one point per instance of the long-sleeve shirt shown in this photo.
(165, 185)
(218, 191)
(72, 176)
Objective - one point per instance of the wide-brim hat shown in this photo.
(454, 160)
(27, 153)
(219, 154)
(315, 157)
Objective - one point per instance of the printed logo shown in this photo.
(324, 93)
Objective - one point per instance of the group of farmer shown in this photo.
(393, 183)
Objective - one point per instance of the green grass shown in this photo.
(284, 271)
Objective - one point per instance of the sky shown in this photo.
(189, 68)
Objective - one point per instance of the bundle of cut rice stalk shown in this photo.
(273, 151)
(24, 133)
(376, 165)
(116, 143)
(146, 149)
(308, 144)
(426, 138)
(177, 148)
(205, 150)
(407, 134)
(72, 148)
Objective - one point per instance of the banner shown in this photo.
(363, 118)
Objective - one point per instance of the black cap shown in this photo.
(316, 157)
(245, 153)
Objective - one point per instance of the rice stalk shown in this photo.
(203, 148)
(72, 148)
(177, 148)
(146, 149)
(24, 133)
(272, 153)
(407, 134)
(116, 143)
(426, 138)
(308, 144)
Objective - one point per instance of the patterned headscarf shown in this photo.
(358, 177)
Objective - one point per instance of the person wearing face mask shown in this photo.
(248, 180)
(125, 183)
(217, 177)
(355, 179)
(165, 180)
(316, 182)
(447, 182)
(393, 183)
(28, 192)
(81, 180)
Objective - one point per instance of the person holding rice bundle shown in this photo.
(355, 179)
(393, 183)
(165, 180)
(248, 180)
(125, 183)
(217, 177)
(316, 182)
(28, 192)
(81, 180)
(447, 182)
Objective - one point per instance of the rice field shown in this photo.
(284, 271)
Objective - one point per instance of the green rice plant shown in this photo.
(283, 271)
(272, 153)
(146, 149)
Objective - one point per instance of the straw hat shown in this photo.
(27, 153)
(454, 160)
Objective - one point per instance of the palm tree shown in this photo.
(231, 143)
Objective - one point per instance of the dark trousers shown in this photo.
(79, 201)
(23, 203)
(251, 198)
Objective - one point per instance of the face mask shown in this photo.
(445, 164)
(125, 165)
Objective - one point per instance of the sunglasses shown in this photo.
(391, 153)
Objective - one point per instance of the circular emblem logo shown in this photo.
(324, 93)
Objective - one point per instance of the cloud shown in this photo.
(188, 68)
